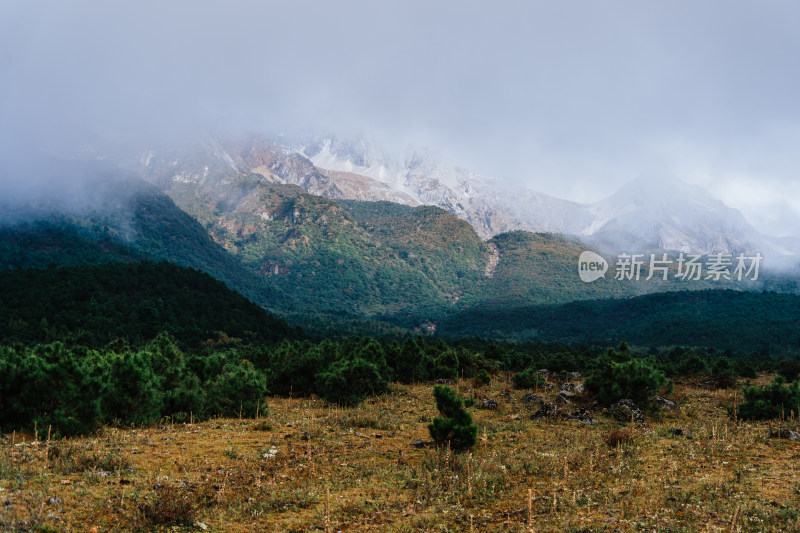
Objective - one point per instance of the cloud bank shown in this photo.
(570, 98)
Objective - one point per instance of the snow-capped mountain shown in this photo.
(656, 211)
(673, 215)
(424, 177)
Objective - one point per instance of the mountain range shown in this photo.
(334, 232)
(659, 212)
(652, 211)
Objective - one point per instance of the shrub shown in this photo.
(745, 369)
(446, 365)
(185, 399)
(692, 364)
(770, 401)
(132, 392)
(349, 382)
(483, 378)
(294, 367)
(789, 369)
(455, 426)
(411, 363)
(239, 388)
(635, 379)
(723, 373)
(528, 379)
(49, 385)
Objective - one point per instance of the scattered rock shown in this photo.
(579, 388)
(568, 386)
(565, 397)
(548, 386)
(54, 501)
(784, 433)
(626, 410)
(664, 402)
(581, 415)
(532, 398)
(575, 376)
(419, 443)
(200, 525)
(362, 435)
(543, 372)
(489, 403)
(441, 381)
(548, 410)
(707, 384)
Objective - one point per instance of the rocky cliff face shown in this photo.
(659, 212)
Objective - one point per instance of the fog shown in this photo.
(569, 98)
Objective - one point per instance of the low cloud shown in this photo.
(572, 101)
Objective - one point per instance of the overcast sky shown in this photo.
(572, 98)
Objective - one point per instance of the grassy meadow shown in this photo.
(310, 466)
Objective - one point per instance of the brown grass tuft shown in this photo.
(619, 437)
(168, 506)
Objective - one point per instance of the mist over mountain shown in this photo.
(329, 246)
(569, 104)
(659, 210)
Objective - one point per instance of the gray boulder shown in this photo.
(532, 398)
(664, 402)
(548, 410)
(489, 403)
(626, 410)
(565, 397)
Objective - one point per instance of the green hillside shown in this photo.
(57, 241)
(309, 247)
(539, 268)
(135, 301)
(443, 247)
(126, 219)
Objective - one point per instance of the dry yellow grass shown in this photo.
(312, 467)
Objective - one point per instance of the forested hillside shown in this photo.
(723, 319)
(95, 305)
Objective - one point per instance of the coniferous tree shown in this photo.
(455, 427)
